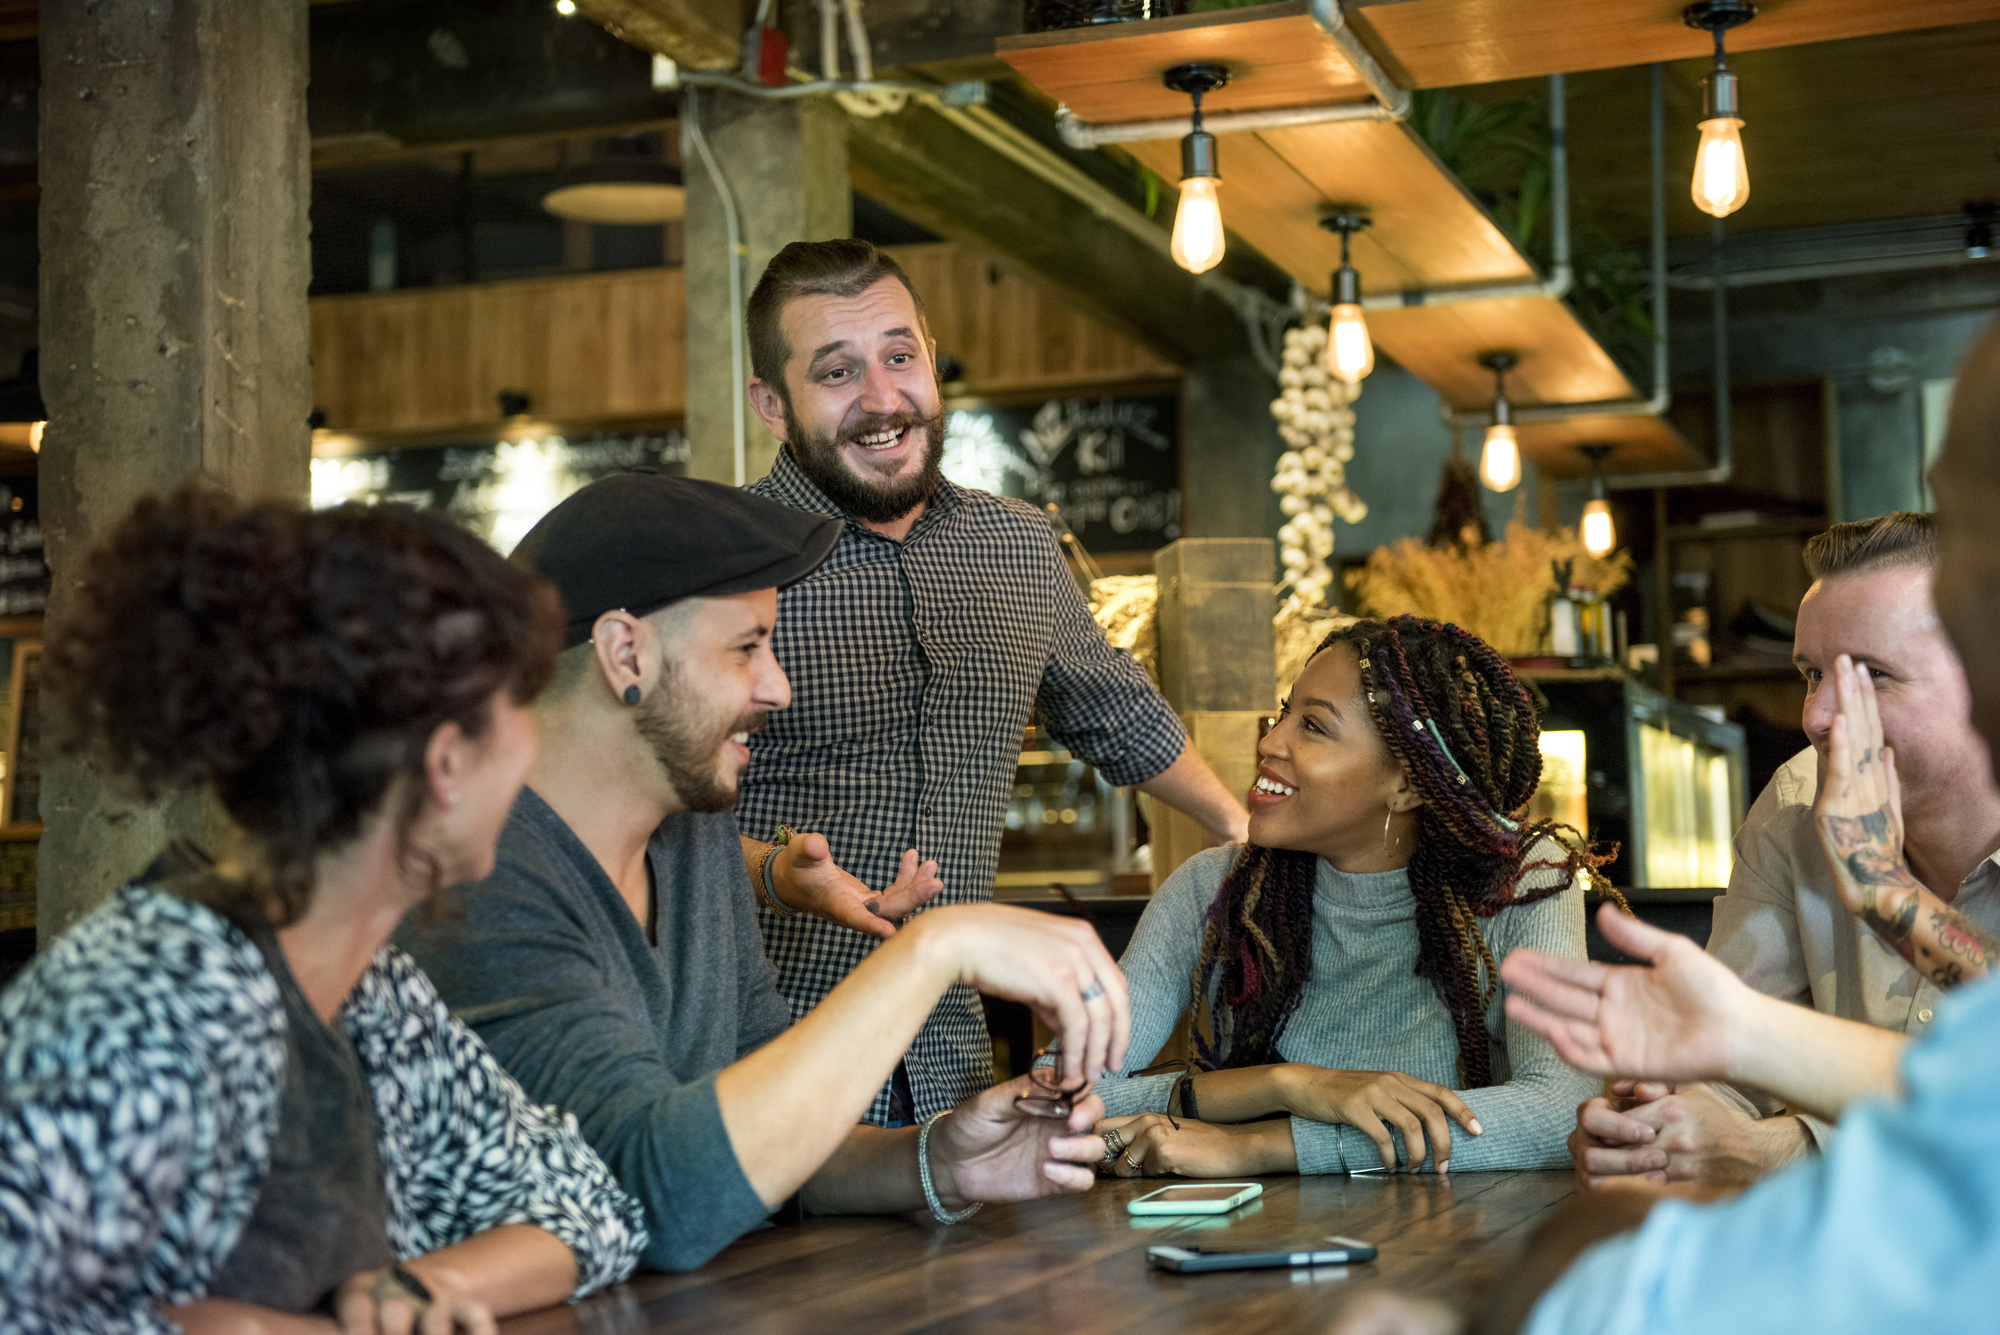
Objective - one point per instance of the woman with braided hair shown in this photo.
(1343, 966)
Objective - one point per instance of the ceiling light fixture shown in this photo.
(628, 190)
(1500, 460)
(1600, 535)
(1350, 353)
(1721, 180)
(1198, 242)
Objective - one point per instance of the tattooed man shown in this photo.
(1796, 926)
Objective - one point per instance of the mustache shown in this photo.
(874, 422)
(749, 723)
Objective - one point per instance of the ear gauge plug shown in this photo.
(631, 695)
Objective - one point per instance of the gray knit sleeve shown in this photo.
(1526, 1120)
(1157, 965)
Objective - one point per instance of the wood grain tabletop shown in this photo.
(1078, 1264)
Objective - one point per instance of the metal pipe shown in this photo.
(1559, 239)
(1082, 134)
(1792, 273)
(1662, 394)
(730, 83)
(1328, 16)
(691, 118)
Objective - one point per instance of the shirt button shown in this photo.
(927, 811)
(1924, 1015)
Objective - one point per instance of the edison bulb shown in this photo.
(1500, 461)
(1721, 181)
(1198, 225)
(1599, 536)
(1350, 353)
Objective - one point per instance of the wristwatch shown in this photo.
(767, 894)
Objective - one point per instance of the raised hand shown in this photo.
(808, 878)
(1668, 1021)
(1055, 966)
(1860, 818)
(988, 1151)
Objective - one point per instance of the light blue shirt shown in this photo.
(1896, 1227)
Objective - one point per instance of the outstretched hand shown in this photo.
(1669, 1020)
(808, 878)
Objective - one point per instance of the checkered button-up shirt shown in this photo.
(915, 666)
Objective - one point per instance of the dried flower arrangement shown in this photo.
(1498, 590)
(1126, 606)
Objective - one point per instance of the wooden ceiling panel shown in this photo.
(1640, 445)
(1441, 346)
(1276, 56)
(1447, 43)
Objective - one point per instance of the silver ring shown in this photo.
(1094, 991)
(1114, 1142)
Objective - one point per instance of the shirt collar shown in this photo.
(790, 485)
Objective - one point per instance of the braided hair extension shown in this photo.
(1452, 715)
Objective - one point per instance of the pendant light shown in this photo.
(1721, 180)
(1599, 534)
(1350, 353)
(1198, 242)
(1500, 460)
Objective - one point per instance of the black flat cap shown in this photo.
(639, 541)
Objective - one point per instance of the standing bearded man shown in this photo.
(942, 619)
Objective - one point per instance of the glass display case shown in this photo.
(1066, 825)
(1659, 778)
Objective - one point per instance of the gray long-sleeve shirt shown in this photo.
(1364, 1009)
(551, 969)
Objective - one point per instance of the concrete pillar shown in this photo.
(1218, 667)
(175, 178)
(1230, 448)
(785, 164)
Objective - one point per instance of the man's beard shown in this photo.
(687, 747)
(868, 500)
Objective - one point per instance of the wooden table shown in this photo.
(1077, 1264)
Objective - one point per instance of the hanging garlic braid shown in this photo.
(1454, 718)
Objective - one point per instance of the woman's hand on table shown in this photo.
(375, 1303)
(1387, 1312)
(1374, 1102)
(1150, 1145)
(987, 1150)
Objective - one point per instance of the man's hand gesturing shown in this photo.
(807, 878)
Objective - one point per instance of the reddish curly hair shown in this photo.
(295, 661)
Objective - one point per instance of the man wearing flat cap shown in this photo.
(942, 619)
(612, 962)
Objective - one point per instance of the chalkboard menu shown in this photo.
(24, 575)
(1110, 465)
(496, 488)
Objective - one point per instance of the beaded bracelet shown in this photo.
(938, 1212)
(769, 893)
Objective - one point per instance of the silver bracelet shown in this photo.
(938, 1212)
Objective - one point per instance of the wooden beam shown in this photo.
(700, 34)
(1446, 43)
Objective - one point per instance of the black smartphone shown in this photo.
(1189, 1259)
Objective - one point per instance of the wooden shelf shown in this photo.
(1775, 528)
(1448, 43)
(1276, 54)
(1428, 231)
(1688, 676)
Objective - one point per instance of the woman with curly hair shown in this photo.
(225, 1105)
(1342, 968)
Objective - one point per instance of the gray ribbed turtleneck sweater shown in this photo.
(1366, 1010)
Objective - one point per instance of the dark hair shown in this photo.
(1899, 538)
(812, 269)
(1451, 713)
(297, 661)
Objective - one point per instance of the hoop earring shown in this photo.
(1388, 813)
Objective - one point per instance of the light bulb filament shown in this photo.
(1721, 180)
(1198, 244)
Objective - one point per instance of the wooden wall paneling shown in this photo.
(1277, 57)
(1778, 433)
(1448, 43)
(1639, 445)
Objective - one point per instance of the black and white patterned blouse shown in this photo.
(914, 668)
(141, 1058)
